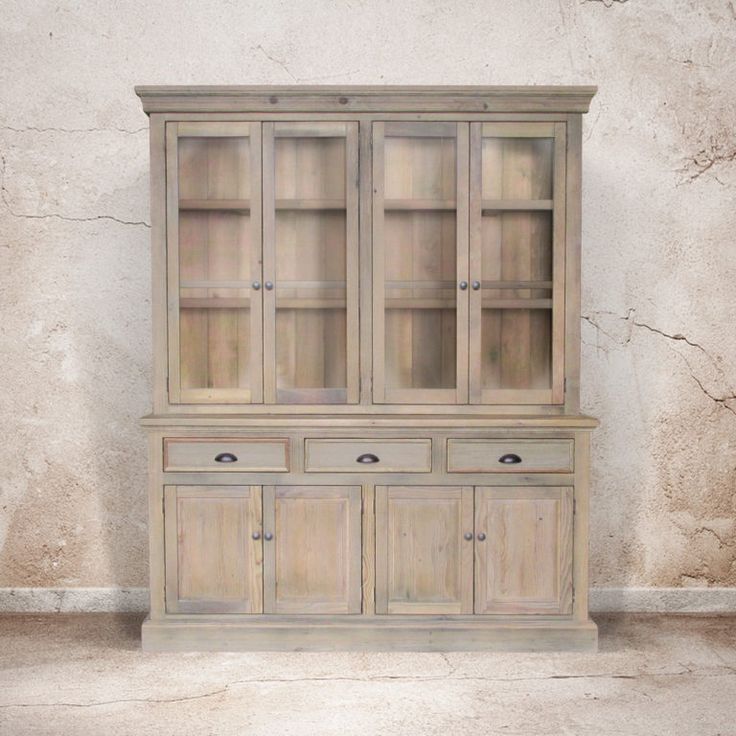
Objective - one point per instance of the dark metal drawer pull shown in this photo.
(226, 457)
(367, 459)
(509, 459)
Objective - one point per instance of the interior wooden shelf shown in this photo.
(214, 302)
(421, 284)
(243, 205)
(517, 284)
(507, 205)
(213, 284)
(310, 204)
(302, 303)
(516, 304)
(222, 205)
(413, 303)
(244, 303)
(452, 284)
(240, 284)
(410, 205)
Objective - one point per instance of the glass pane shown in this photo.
(516, 262)
(310, 253)
(420, 260)
(215, 243)
(517, 168)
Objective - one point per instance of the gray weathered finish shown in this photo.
(368, 207)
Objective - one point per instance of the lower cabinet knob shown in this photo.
(481, 537)
(468, 536)
(256, 535)
(268, 536)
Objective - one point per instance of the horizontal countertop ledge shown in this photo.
(341, 421)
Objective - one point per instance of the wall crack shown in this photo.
(4, 195)
(607, 3)
(34, 129)
(630, 318)
(703, 161)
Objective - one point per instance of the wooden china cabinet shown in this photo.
(366, 429)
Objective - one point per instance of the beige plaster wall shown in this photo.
(659, 297)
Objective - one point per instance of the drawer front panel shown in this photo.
(226, 455)
(509, 456)
(368, 456)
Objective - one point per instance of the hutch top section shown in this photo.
(368, 248)
(533, 99)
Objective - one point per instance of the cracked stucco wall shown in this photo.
(659, 285)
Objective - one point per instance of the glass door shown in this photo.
(517, 241)
(420, 259)
(214, 253)
(310, 240)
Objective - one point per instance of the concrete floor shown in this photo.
(85, 674)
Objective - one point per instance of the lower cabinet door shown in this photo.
(523, 550)
(213, 563)
(312, 549)
(424, 550)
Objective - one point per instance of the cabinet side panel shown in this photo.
(157, 569)
(581, 523)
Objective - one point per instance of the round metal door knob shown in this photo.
(256, 285)
(468, 536)
(463, 285)
(481, 537)
(268, 536)
(476, 285)
(256, 535)
(268, 285)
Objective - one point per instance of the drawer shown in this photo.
(368, 456)
(226, 455)
(509, 456)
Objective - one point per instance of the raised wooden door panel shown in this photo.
(213, 175)
(420, 252)
(517, 262)
(310, 234)
(424, 550)
(213, 562)
(312, 549)
(523, 550)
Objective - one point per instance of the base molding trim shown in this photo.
(374, 634)
(135, 600)
(663, 600)
(74, 600)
